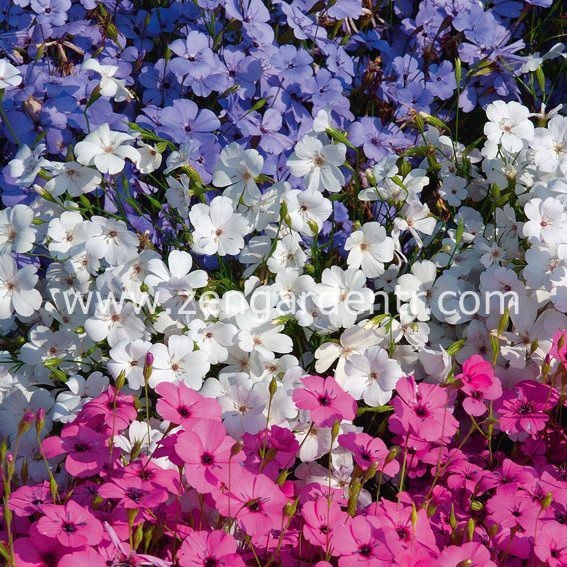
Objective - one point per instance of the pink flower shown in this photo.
(522, 409)
(209, 548)
(270, 450)
(37, 550)
(361, 543)
(26, 500)
(323, 518)
(421, 410)
(132, 492)
(510, 508)
(111, 411)
(479, 384)
(71, 525)
(551, 544)
(254, 500)
(86, 450)
(182, 405)
(325, 399)
(368, 451)
(398, 523)
(559, 347)
(472, 554)
(205, 450)
(84, 557)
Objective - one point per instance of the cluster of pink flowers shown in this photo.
(453, 474)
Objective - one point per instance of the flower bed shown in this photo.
(283, 283)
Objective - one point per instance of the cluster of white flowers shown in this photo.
(86, 296)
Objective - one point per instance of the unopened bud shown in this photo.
(290, 508)
(26, 422)
(546, 502)
(336, 429)
(273, 388)
(39, 420)
(236, 448)
(470, 529)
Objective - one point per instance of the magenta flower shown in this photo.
(86, 450)
(182, 405)
(71, 525)
(551, 544)
(205, 450)
(113, 410)
(522, 409)
(325, 399)
(559, 347)
(361, 543)
(270, 450)
(132, 493)
(472, 554)
(254, 500)
(37, 550)
(479, 384)
(323, 519)
(510, 508)
(367, 451)
(26, 500)
(421, 410)
(209, 548)
(399, 525)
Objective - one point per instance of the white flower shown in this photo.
(178, 194)
(547, 220)
(218, 228)
(174, 287)
(45, 344)
(81, 391)
(68, 233)
(354, 340)
(343, 295)
(242, 405)
(109, 86)
(416, 218)
(416, 288)
(237, 170)
(550, 145)
(106, 150)
(453, 190)
(307, 210)
(10, 76)
(17, 289)
(319, 162)
(371, 376)
(213, 339)
(369, 248)
(24, 167)
(141, 436)
(18, 403)
(16, 232)
(129, 357)
(115, 243)
(150, 158)
(509, 125)
(114, 321)
(73, 178)
(179, 362)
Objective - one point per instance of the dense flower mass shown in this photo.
(283, 283)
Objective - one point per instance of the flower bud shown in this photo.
(39, 420)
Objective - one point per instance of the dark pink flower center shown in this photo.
(365, 550)
(421, 411)
(207, 459)
(135, 494)
(184, 411)
(69, 528)
(324, 400)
